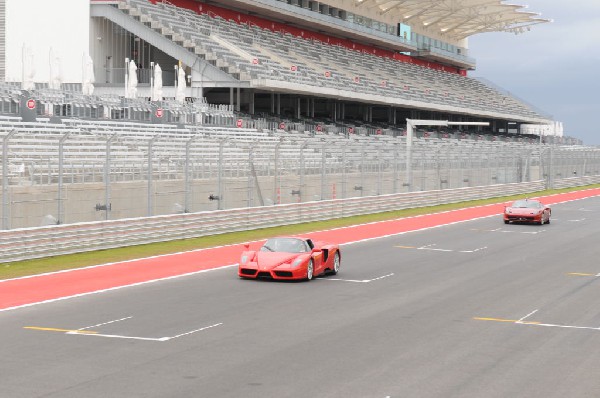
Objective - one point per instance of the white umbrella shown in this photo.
(55, 76)
(132, 81)
(158, 83)
(88, 78)
(28, 69)
(180, 93)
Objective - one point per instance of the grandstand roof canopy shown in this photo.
(459, 18)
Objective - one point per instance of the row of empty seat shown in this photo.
(260, 55)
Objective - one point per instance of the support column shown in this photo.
(251, 99)
(272, 103)
(278, 103)
(237, 106)
(298, 107)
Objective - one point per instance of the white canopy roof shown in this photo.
(458, 19)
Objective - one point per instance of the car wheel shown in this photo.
(336, 264)
(309, 270)
(542, 222)
(505, 221)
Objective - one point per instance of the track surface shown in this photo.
(471, 309)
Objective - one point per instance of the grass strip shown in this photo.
(79, 260)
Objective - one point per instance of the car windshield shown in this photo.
(527, 204)
(287, 245)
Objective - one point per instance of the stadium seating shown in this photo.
(251, 53)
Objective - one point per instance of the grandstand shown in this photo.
(281, 102)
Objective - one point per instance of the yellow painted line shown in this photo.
(59, 330)
(495, 319)
(530, 323)
(580, 274)
(406, 247)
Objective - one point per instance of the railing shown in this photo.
(30, 243)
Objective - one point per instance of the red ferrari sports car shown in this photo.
(290, 258)
(526, 210)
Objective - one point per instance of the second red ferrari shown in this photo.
(526, 210)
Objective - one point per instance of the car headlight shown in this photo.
(297, 262)
(244, 259)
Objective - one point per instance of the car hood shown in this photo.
(522, 211)
(270, 260)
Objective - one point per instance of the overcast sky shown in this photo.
(555, 66)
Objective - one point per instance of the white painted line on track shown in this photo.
(428, 247)
(105, 323)
(355, 280)
(508, 231)
(190, 332)
(526, 316)
(161, 339)
(117, 288)
(473, 251)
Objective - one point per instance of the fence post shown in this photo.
(107, 196)
(395, 177)
(276, 181)
(61, 153)
(302, 170)
(220, 175)
(186, 200)
(150, 176)
(5, 219)
(323, 160)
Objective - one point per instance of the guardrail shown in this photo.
(30, 243)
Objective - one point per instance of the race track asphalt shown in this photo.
(471, 309)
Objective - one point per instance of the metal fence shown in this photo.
(64, 176)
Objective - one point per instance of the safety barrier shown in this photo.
(30, 243)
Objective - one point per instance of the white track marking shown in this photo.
(578, 220)
(428, 247)
(190, 332)
(106, 323)
(526, 316)
(355, 280)
(507, 231)
(118, 287)
(473, 251)
(161, 339)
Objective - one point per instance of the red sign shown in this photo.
(293, 68)
(239, 123)
(351, 130)
(378, 132)
(319, 128)
(255, 61)
(31, 104)
(159, 112)
(281, 125)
